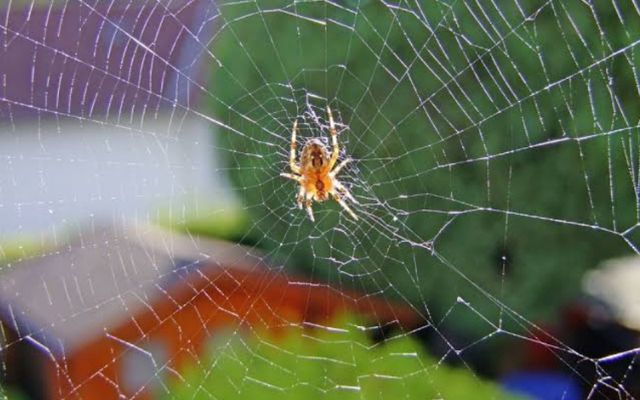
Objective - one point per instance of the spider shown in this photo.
(316, 174)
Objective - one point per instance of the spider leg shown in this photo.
(345, 206)
(307, 203)
(343, 190)
(292, 155)
(300, 197)
(334, 140)
(291, 176)
(337, 169)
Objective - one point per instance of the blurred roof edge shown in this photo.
(102, 277)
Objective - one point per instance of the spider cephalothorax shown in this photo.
(316, 174)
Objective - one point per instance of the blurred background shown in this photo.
(149, 247)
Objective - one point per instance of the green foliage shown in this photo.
(341, 363)
(20, 248)
(10, 393)
(202, 218)
(424, 111)
(197, 218)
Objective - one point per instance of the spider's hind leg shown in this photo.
(343, 190)
(345, 206)
(309, 210)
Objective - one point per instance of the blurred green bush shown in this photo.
(22, 247)
(511, 126)
(199, 217)
(10, 393)
(341, 363)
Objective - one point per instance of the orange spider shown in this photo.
(316, 173)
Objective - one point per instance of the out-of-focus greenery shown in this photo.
(18, 249)
(428, 97)
(198, 218)
(9, 393)
(202, 218)
(339, 364)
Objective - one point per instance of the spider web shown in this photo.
(494, 146)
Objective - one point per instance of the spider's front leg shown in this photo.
(334, 140)
(337, 169)
(292, 154)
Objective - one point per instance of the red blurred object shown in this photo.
(114, 312)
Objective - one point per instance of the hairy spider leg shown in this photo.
(300, 196)
(344, 205)
(292, 155)
(337, 169)
(301, 193)
(342, 189)
(291, 176)
(307, 204)
(334, 140)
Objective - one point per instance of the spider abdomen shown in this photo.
(320, 185)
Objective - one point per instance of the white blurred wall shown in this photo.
(56, 174)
